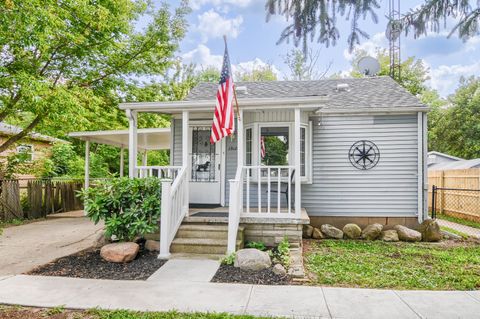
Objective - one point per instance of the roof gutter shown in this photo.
(370, 110)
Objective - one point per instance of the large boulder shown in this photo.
(372, 232)
(152, 245)
(352, 231)
(317, 234)
(100, 240)
(119, 252)
(430, 230)
(252, 259)
(331, 232)
(307, 231)
(407, 234)
(390, 235)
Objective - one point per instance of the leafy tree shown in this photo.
(209, 74)
(414, 72)
(67, 64)
(455, 129)
(258, 73)
(311, 17)
(304, 66)
(276, 151)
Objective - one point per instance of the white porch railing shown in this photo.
(259, 191)
(163, 172)
(174, 208)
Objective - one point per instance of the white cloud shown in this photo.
(203, 57)
(213, 25)
(256, 63)
(444, 78)
(197, 4)
(377, 41)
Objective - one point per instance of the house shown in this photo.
(31, 148)
(328, 151)
(440, 162)
(436, 159)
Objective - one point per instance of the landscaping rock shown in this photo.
(100, 240)
(152, 245)
(119, 252)
(307, 231)
(430, 230)
(352, 231)
(317, 234)
(252, 259)
(390, 235)
(407, 234)
(372, 232)
(278, 269)
(331, 232)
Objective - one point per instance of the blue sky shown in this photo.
(252, 41)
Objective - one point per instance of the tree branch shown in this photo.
(12, 140)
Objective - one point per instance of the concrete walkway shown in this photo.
(25, 247)
(189, 296)
(186, 270)
(471, 231)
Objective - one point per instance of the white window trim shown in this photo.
(32, 147)
(256, 129)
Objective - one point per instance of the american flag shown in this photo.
(262, 147)
(223, 124)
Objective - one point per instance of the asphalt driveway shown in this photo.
(25, 247)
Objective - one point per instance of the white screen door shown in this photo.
(205, 187)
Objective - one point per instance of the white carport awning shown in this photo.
(148, 138)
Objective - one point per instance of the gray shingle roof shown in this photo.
(8, 129)
(371, 92)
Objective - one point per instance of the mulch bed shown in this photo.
(230, 274)
(89, 264)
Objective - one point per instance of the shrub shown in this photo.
(229, 259)
(129, 207)
(257, 245)
(281, 253)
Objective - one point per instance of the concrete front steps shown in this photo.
(204, 238)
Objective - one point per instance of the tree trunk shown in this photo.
(15, 138)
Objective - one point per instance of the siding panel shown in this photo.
(339, 189)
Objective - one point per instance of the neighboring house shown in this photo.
(440, 161)
(437, 159)
(328, 151)
(29, 149)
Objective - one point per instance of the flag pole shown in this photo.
(234, 88)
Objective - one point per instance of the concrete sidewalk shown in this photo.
(25, 247)
(288, 301)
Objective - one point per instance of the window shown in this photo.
(274, 145)
(25, 153)
(248, 148)
(303, 151)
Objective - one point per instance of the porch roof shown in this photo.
(148, 138)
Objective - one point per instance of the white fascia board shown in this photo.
(372, 110)
(208, 105)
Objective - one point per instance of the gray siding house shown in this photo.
(322, 151)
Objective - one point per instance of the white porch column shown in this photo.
(87, 164)
(298, 186)
(144, 158)
(122, 161)
(240, 138)
(185, 159)
(132, 143)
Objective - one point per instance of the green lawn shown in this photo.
(434, 266)
(459, 221)
(13, 312)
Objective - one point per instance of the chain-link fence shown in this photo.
(456, 209)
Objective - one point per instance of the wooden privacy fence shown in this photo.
(458, 192)
(38, 197)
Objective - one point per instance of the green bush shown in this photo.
(129, 207)
(257, 245)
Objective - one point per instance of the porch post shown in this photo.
(87, 164)
(240, 138)
(185, 161)
(122, 160)
(298, 186)
(144, 158)
(132, 142)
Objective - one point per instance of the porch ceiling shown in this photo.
(148, 138)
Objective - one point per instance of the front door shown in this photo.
(205, 182)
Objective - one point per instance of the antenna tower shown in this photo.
(393, 36)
